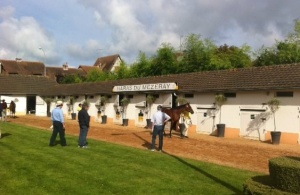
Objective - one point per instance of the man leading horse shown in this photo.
(175, 113)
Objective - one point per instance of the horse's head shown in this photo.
(189, 108)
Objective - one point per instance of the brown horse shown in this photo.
(174, 113)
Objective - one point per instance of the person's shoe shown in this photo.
(83, 146)
(152, 150)
(160, 151)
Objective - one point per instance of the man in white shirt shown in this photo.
(158, 123)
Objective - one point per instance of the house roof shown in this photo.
(106, 63)
(24, 84)
(52, 72)
(22, 67)
(86, 68)
(277, 77)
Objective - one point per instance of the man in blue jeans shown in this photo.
(84, 124)
(158, 123)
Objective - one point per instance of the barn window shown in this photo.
(284, 94)
(230, 95)
(189, 95)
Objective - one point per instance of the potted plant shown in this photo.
(124, 102)
(150, 99)
(104, 101)
(220, 100)
(273, 104)
(98, 106)
(71, 107)
(48, 102)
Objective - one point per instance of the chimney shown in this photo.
(65, 66)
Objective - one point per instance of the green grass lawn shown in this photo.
(29, 166)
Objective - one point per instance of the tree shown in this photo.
(142, 67)
(121, 72)
(73, 78)
(197, 54)
(273, 104)
(229, 57)
(164, 62)
(97, 75)
(220, 100)
(283, 52)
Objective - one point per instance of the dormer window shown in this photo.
(65, 66)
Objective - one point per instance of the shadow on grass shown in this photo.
(225, 184)
(146, 144)
(263, 179)
(5, 135)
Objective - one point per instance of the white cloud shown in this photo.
(23, 37)
(89, 52)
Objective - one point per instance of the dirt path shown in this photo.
(240, 153)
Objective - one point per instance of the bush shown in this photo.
(285, 173)
(262, 185)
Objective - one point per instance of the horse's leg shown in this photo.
(171, 127)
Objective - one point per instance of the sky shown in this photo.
(80, 31)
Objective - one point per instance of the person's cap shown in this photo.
(59, 102)
(159, 107)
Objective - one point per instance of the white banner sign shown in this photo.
(146, 87)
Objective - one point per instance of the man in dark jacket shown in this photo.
(84, 124)
(4, 107)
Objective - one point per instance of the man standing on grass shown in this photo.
(158, 124)
(84, 124)
(4, 107)
(58, 125)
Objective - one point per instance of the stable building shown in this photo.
(245, 113)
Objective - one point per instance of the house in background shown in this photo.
(59, 73)
(86, 68)
(20, 67)
(56, 73)
(108, 63)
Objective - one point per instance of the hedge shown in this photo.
(262, 185)
(285, 173)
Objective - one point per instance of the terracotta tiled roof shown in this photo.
(54, 72)
(24, 84)
(22, 67)
(87, 69)
(279, 77)
(106, 63)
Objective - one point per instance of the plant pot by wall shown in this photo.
(275, 136)
(73, 116)
(149, 123)
(104, 119)
(221, 130)
(125, 122)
